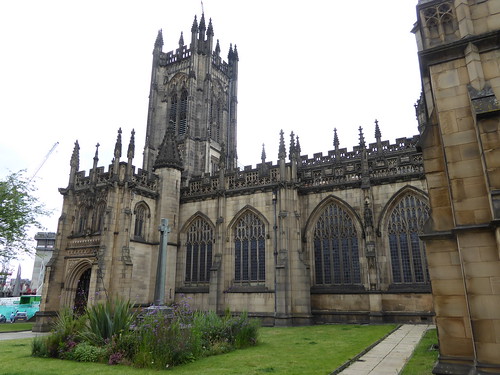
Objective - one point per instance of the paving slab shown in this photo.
(391, 354)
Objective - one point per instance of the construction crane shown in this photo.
(44, 160)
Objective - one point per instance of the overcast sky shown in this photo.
(81, 69)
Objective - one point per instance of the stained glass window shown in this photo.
(407, 250)
(336, 254)
(141, 217)
(249, 246)
(200, 239)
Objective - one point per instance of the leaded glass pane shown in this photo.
(249, 241)
(336, 248)
(199, 252)
(407, 250)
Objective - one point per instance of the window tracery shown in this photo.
(336, 252)
(405, 223)
(249, 246)
(141, 221)
(199, 244)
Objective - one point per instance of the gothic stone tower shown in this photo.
(459, 116)
(197, 91)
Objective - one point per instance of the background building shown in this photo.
(45, 242)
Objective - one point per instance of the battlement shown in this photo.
(338, 169)
(98, 177)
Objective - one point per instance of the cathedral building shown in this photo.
(309, 239)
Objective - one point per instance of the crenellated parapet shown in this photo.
(338, 169)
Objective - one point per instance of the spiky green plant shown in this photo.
(105, 320)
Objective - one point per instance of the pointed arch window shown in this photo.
(199, 245)
(250, 248)
(336, 252)
(406, 221)
(183, 113)
(98, 220)
(81, 220)
(173, 108)
(141, 221)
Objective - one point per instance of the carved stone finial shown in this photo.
(159, 40)
(131, 146)
(282, 150)
(217, 48)
(335, 139)
(118, 145)
(361, 138)
(291, 153)
(263, 154)
(378, 134)
(75, 157)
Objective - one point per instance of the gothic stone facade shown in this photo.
(459, 53)
(328, 238)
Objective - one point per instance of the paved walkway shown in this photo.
(391, 354)
(20, 335)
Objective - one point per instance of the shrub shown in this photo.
(85, 352)
(63, 337)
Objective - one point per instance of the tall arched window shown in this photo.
(183, 113)
(81, 220)
(336, 254)
(141, 219)
(98, 220)
(250, 249)
(200, 239)
(173, 108)
(407, 250)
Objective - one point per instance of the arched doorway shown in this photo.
(82, 292)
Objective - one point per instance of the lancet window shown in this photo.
(81, 220)
(199, 245)
(173, 108)
(183, 113)
(250, 248)
(336, 252)
(141, 221)
(407, 250)
(98, 220)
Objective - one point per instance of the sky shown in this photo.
(79, 70)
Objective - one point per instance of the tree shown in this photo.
(19, 212)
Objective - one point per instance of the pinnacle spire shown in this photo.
(96, 156)
(181, 40)
(217, 48)
(335, 138)
(263, 154)
(118, 145)
(297, 147)
(75, 157)
(282, 150)
(292, 146)
(194, 28)
(361, 138)
(131, 146)
(159, 39)
(210, 30)
(169, 155)
(378, 134)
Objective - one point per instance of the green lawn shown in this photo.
(296, 350)
(424, 357)
(9, 327)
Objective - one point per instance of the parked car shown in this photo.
(3, 319)
(21, 317)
